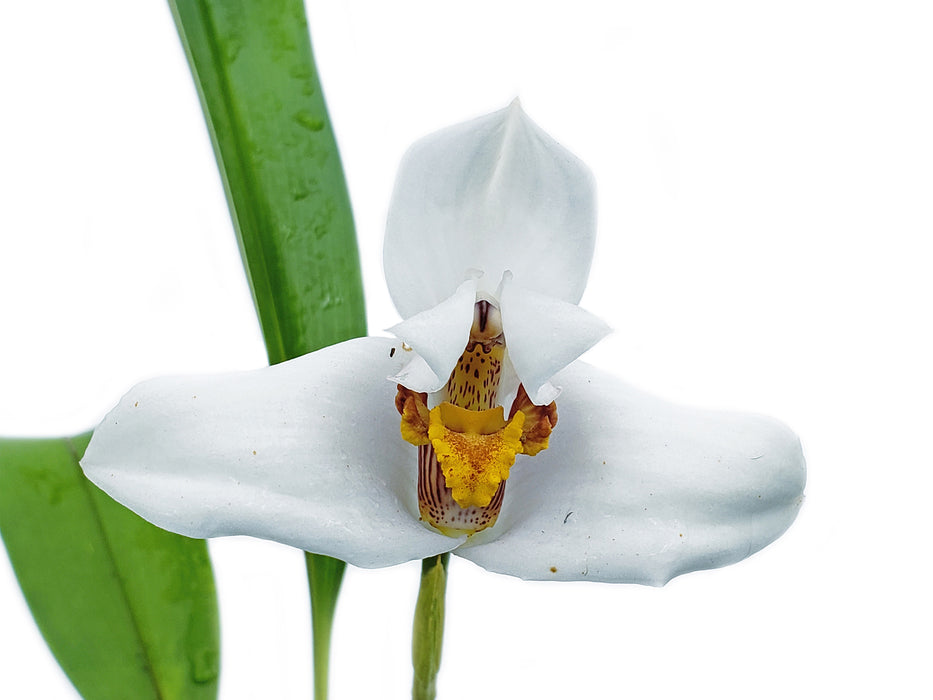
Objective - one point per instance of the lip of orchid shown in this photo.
(466, 447)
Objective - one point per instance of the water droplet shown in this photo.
(309, 121)
(205, 666)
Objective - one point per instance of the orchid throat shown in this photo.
(466, 446)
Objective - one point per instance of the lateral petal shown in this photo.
(438, 335)
(544, 335)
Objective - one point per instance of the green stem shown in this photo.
(324, 577)
(428, 629)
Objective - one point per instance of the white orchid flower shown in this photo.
(488, 246)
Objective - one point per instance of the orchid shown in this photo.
(475, 429)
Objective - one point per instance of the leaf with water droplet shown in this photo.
(125, 607)
(285, 184)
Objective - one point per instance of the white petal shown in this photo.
(439, 335)
(416, 375)
(637, 490)
(543, 336)
(492, 194)
(307, 453)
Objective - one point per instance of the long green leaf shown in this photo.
(278, 158)
(259, 88)
(129, 610)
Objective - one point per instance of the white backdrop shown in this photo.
(765, 173)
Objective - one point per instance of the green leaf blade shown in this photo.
(275, 146)
(128, 609)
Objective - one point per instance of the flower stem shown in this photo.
(428, 628)
(324, 577)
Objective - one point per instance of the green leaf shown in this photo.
(254, 70)
(259, 87)
(128, 609)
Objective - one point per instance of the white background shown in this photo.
(765, 174)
